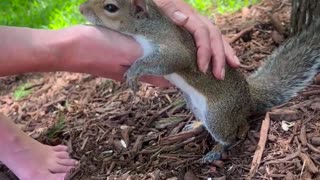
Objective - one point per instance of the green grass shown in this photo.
(57, 128)
(22, 91)
(56, 14)
(49, 14)
(220, 6)
(230, 6)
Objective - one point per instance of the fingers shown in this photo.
(204, 48)
(232, 59)
(169, 8)
(217, 49)
(157, 81)
(212, 47)
(201, 34)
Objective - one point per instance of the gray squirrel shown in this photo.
(222, 106)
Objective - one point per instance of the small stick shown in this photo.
(303, 135)
(181, 136)
(310, 166)
(312, 148)
(276, 23)
(310, 93)
(260, 148)
(240, 34)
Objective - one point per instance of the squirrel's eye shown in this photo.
(111, 8)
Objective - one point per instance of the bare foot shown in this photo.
(29, 159)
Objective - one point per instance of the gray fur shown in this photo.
(288, 70)
(229, 102)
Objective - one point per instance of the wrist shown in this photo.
(99, 51)
(50, 49)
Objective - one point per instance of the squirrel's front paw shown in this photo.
(133, 84)
(211, 156)
(132, 76)
(192, 125)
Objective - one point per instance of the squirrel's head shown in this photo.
(114, 13)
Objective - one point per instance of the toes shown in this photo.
(60, 148)
(67, 162)
(60, 176)
(62, 155)
(61, 169)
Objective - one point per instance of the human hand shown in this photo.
(104, 52)
(211, 44)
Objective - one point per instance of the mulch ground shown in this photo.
(117, 135)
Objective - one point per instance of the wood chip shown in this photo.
(260, 148)
(315, 141)
(190, 176)
(138, 144)
(303, 135)
(284, 115)
(125, 130)
(310, 166)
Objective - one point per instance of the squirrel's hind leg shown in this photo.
(215, 153)
(225, 126)
(243, 130)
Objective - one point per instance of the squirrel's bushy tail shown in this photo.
(287, 70)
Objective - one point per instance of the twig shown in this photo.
(310, 93)
(303, 135)
(181, 136)
(276, 23)
(312, 148)
(260, 148)
(310, 166)
(286, 159)
(240, 34)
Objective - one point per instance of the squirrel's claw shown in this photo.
(192, 125)
(212, 156)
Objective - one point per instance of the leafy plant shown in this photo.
(22, 91)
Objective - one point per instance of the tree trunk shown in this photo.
(303, 13)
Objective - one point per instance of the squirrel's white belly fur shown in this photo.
(197, 100)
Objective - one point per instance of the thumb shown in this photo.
(169, 8)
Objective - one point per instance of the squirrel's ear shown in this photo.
(140, 9)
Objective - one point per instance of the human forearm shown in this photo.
(83, 49)
(32, 50)
(19, 52)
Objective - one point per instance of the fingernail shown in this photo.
(237, 60)
(223, 72)
(204, 68)
(179, 16)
